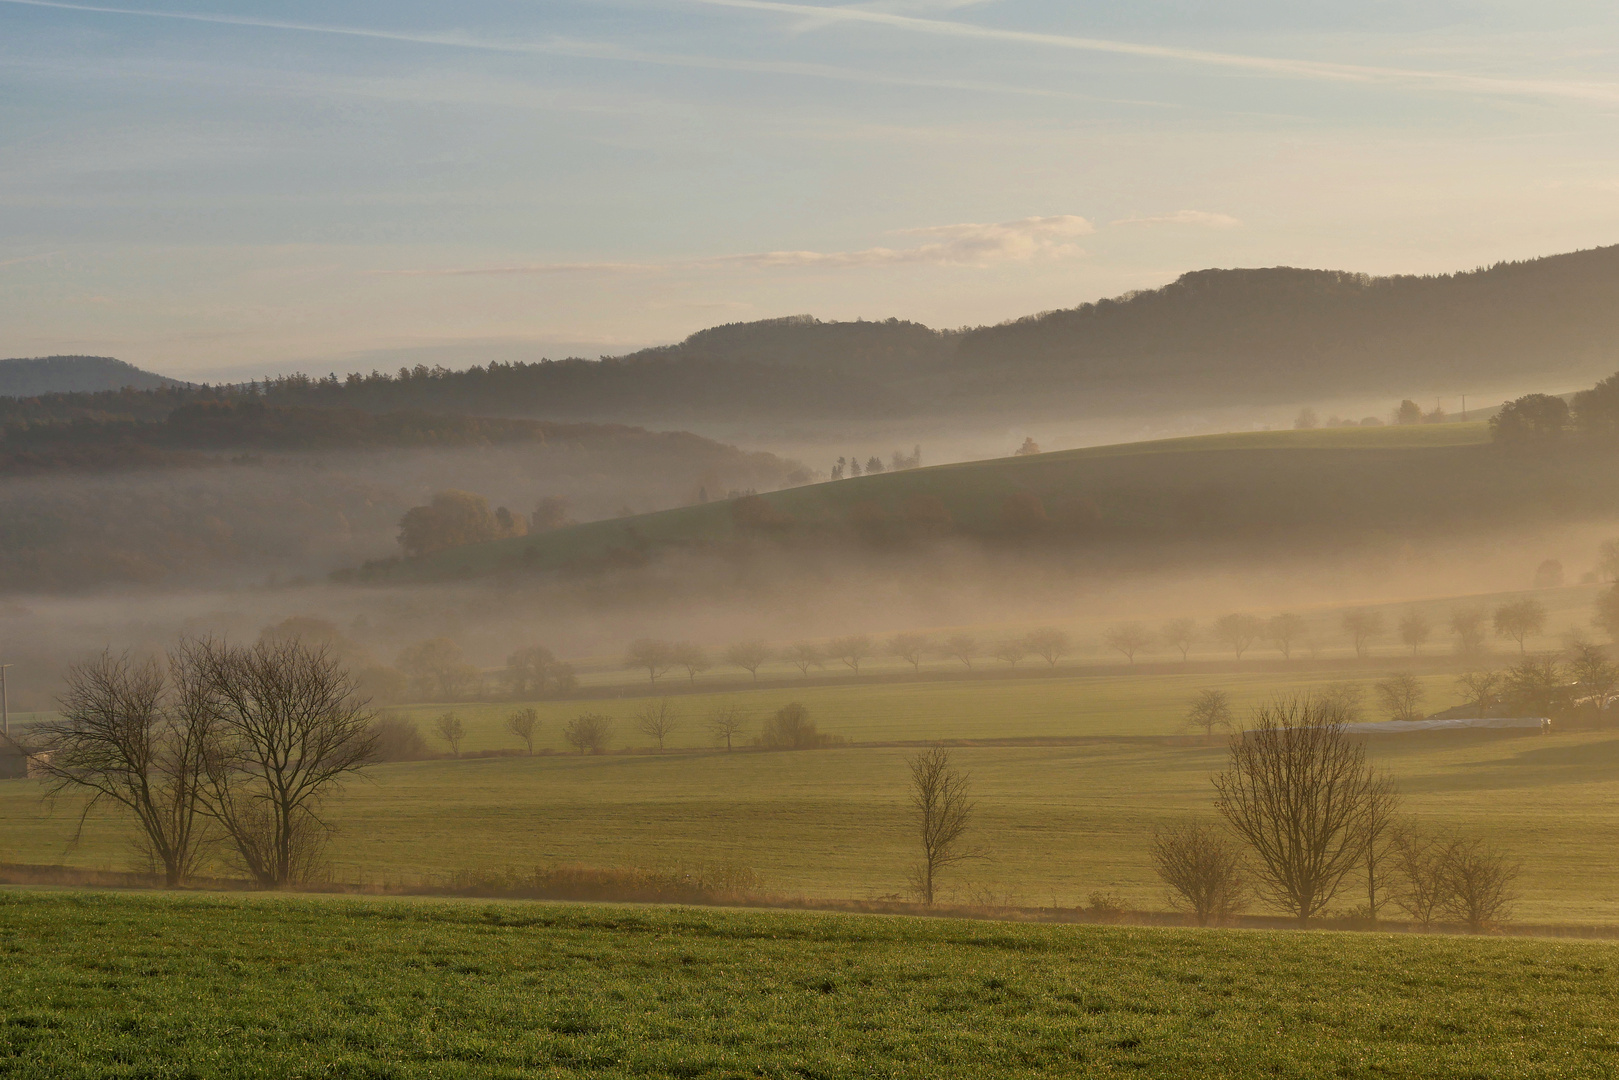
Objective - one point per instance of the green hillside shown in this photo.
(1327, 486)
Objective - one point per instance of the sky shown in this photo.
(217, 189)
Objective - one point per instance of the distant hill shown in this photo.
(1211, 338)
(238, 490)
(33, 376)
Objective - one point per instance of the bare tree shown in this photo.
(910, 648)
(1129, 639)
(125, 735)
(1536, 686)
(1520, 620)
(1479, 884)
(1467, 626)
(1383, 803)
(963, 647)
(450, 728)
(1050, 644)
(1202, 870)
(1299, 792)
(694, 658)
(657, 657)
(286, 730)
(1608, 560)
(522, 724)
(1420, 886)
(1597, 676)
(1415, 630)
(591, 733)
(1401, 696)
(726, 722)
(1283, 631)
(1238, 632)
(1179, 634)
(1012, 650)
(749, 655)
(1606, 618)
(657, 720)
(1345, 698)
(851, 650)
(1483, 689)
(941, 800)
(805, 655)
(1210, 711)
(1362, 627)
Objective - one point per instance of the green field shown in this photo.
(1064, 814)
(98, 985)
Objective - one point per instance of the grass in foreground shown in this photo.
(107, 985)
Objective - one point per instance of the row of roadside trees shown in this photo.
(1362, 629)
(659, 658)
(730, 725)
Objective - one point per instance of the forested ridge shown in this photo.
(1212, 337)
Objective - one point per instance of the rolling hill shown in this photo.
(32, 376)
(1259, 493)
(1212, 338)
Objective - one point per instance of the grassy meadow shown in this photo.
(1070, 773)
(104, 985)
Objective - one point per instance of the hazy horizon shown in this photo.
(217, 190)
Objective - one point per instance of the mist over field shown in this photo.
(709, 538)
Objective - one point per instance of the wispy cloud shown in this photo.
(556, 46)
(1602, 92)
(517, 269)
(28, 258)
(968, 244)
(1199, 218)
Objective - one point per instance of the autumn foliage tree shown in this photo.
(453, 519)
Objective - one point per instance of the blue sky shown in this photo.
(219, 188)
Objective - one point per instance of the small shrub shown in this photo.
(591, 733)
(1201, 868)
(1106, 906)
(1479, 884)
(792, 729)
(398, 739)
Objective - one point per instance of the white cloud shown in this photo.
(1200, 218)
(967, 244)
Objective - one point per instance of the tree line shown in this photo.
(728, 724)
(1469, 628)
(1542, 419)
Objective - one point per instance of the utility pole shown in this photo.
(5, 711)
(1464, 406)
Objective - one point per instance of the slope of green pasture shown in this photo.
(1133, 487)
(103, 985)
